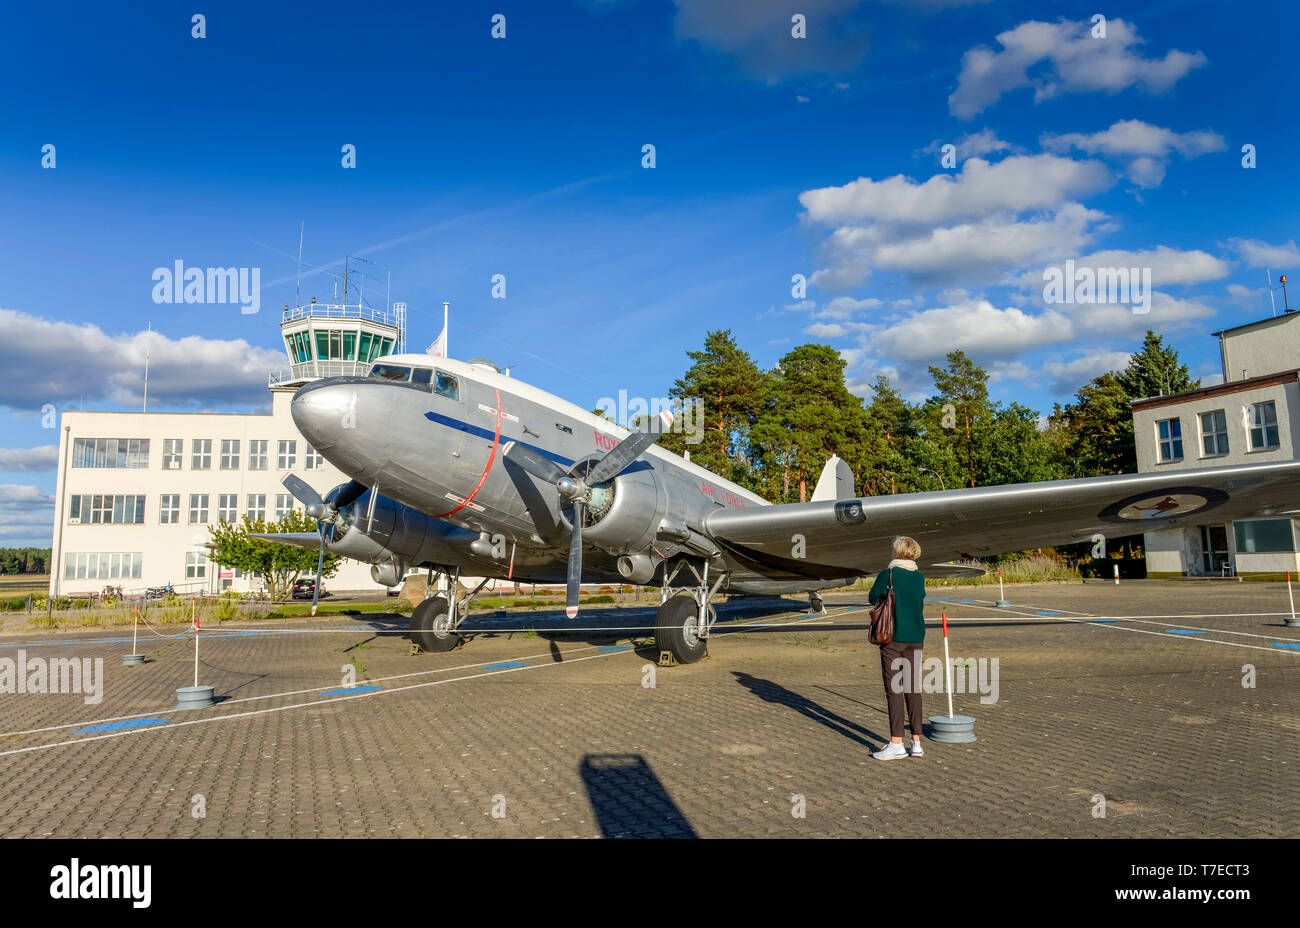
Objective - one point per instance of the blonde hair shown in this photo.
(906, 549)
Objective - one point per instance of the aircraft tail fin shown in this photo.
(836, 481)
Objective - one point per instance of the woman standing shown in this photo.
(900, 660)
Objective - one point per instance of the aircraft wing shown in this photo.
(842, 538)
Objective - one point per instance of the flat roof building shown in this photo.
(1252, 417)
(138, 490)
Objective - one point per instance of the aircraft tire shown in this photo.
(675, 629)
(430, 628)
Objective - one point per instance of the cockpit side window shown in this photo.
(446, 385)
(391, 372)
(421, 376)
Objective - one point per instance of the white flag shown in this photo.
(439, 347)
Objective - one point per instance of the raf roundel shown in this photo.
(1162, 505)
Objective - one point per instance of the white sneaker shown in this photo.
(890, 751)
(916, 750)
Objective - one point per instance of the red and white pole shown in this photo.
(194, 614)
(1291, 597)
(947, 665)
(1117, 574)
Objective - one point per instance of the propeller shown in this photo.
(576, 487)
(323, 511)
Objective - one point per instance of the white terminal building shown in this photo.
(138, 490)
(1252, 417)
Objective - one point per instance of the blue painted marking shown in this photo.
(349, 690)
(1103, 620)
(119, 726)
(1182, 631)
(1279, 644)
(490, 435)
(506, 665)
(1045, 612)
(625, 647)
(965, 602)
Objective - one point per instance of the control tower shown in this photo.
(336, 339)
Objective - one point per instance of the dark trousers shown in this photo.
(902, 682)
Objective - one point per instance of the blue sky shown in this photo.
(521, 156)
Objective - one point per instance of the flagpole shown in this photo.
(445, 336)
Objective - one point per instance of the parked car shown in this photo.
(306, 587)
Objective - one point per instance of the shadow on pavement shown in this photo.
(628, 799)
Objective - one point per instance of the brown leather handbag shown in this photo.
(882, 616)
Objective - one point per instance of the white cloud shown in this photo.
(1064, 58)
(1069, 376)
(972, 145)
(29, 459)
(1018, 183)
(1169, 266)
(26, 515)
(1261, 254)
(976, 327)
(843, 307)
(62, 362)
(1145, 147)
(826, 330)
(756, 35)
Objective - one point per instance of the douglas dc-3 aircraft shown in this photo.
(458, 468)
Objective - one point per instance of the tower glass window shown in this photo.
(1214, 433)
(1169, 434)
(1263, 426)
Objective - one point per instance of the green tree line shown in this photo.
(15, 561)
(773, 430)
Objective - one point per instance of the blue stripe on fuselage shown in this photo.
(489, 435)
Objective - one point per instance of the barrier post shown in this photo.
(950, 728)
(1293, 621)
(1001, 603)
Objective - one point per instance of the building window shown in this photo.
(196, 565)
(173, 451)
(1264, 536)
(169, 509)
(106, 510)
(230, 454)
(1263, 426)
(257, 455)
(283, 505)
(1214, 433)
(312, 459)
(227, 507)
(198, 508)
(110, 452)
(102, 566)
(256, 506)
(1169, 433)
(288, 455)
(202, 454)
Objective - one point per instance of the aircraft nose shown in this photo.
(324, 412)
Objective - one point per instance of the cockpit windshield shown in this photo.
(391, 372)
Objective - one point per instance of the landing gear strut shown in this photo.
(435, 622)
(816, 603)
(684, 620)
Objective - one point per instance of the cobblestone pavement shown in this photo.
(560, 732)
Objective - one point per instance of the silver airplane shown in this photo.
(460, 469)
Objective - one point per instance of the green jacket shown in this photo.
(909, 601)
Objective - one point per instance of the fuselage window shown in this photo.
(391, 372)
(446, 385)
(421, 375)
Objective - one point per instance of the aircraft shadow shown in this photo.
(628, 799)
(768, 691)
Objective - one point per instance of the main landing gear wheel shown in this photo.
(431, 625)
(677, 629)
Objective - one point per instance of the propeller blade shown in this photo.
(629, 449)
(534, 462)
(348, 494)
(320, 565)
(574, 584)
(304, 494)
